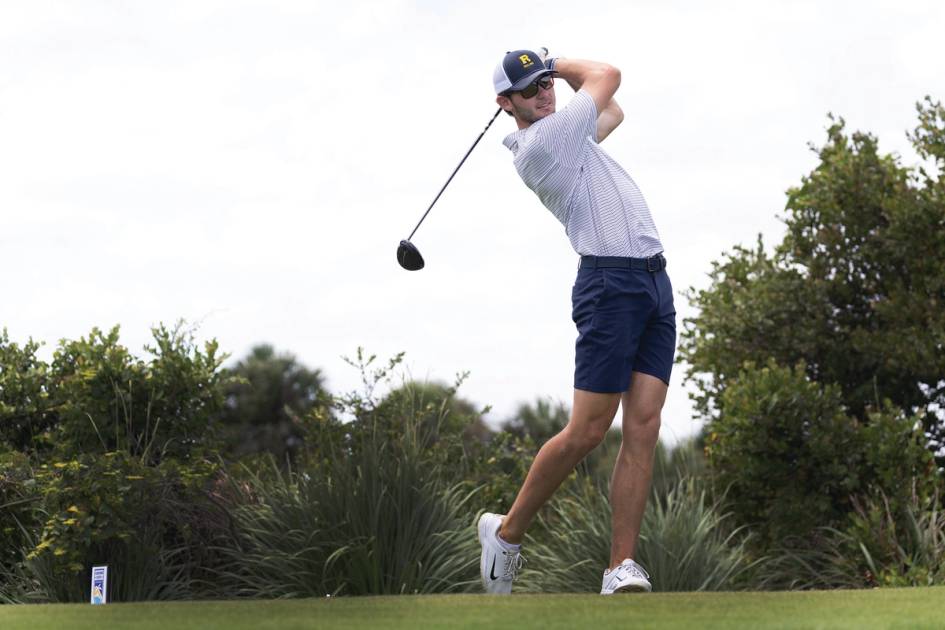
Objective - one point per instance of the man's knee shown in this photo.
(591, 417)
(585, 437)
(643, 428)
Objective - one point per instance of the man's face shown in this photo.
(529, 110)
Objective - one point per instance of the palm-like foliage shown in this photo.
(881, 547)
(685, 543)
(374, 512)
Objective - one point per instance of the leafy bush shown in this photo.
(109, 465)
(18, 496)
(784, 451)
(114, 509)
(436, 407)
(109, 400)
(26, 412)
(534, 424)
(96, 396)
(896, 463)
(790, 459)
(540, 421)
(19, 520)
(498, 469)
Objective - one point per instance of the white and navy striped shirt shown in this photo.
(603, 211)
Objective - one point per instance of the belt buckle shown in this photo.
(656, 259)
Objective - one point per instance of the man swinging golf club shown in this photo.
(622, 304)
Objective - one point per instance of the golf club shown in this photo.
(407, 253)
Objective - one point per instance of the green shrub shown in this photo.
(784, 451)
(19, 521)
(26, 412)
(791, 460)
(896, 462)
(19, 495)
(109, 400)
(96, 396)
(143, 521)
(498, 469)
(108, 464)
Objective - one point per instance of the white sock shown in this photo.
(507, 545)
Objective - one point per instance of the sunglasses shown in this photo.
(531, 89)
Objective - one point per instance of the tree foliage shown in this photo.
(97, 397)
(26, 412)
(541, 421)
(266, 401)
(105, 454)
(791, 459)
(820, 364)
(854, 292)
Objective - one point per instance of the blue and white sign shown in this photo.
(99, 584)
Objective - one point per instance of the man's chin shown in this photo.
(541, 112)
(536, 114)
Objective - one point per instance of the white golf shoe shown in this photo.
(628, 577)
(499, 561)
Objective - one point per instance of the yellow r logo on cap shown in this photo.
(526, 60)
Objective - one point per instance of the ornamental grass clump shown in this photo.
(376, 509)
(686, 542)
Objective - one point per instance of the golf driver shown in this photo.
(407, 253)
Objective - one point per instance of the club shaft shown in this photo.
(454, 172)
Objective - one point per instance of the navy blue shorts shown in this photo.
(626, 323)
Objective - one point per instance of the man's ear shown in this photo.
(505, 103)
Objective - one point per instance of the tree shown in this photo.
(855, 291)
(266, 401)
(438, 410)
(541, 421)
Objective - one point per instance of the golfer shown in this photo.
(622, 304)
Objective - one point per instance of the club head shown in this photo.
(409, 256)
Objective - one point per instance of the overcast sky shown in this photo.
(252, 166)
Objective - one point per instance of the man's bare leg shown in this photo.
(633, 470)
(591, 417)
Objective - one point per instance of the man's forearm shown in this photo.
(576, 72)
(572, 82)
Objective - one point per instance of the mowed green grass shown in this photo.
(906, 608)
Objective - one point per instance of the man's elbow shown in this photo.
(611, 74)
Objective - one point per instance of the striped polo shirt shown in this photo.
(600, 206)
